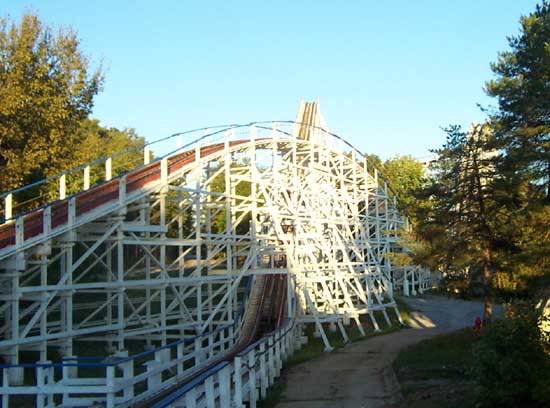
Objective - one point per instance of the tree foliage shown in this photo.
(46, 95)
(405, 175)
(374, 160)
(462, 225)
(46, 91)
(96, 141)
(242, 189)
(522, 89)
(512, 362)
(486, 218)
(522, 135)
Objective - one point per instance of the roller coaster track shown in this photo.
(136, 183)
(153, 265)
(266, 305)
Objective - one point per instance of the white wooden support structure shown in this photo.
(164, 259)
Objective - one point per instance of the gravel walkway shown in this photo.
(360, 375)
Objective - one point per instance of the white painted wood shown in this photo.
(225, 386)
(8, 206)
(209, 392)
(174, 256)
(110, 402)
(108, 169)
(252, 389)
(86, 177)
(264, 375)
(237, 379)
(146, 155)
(62, 187)
(190, 399)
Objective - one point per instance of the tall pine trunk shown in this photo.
(488, 274)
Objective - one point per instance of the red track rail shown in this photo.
(88, 200)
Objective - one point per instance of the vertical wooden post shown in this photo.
(198, 351)
(127, 372)
(146, 155)
(263, 372)
(252, 393)
(180, 353)
(191, 398)
(19, 232)
(40, 382)
(209, 392)
(8, 207)
(224, 387)
(5, 383)
(164, 171)
(86, 177)
(238, 380)
(108, 169)
(278, 356)
(110, 387)
(62, 187)
(271, 360)
(71, 216)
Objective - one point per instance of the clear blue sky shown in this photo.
(389, 74)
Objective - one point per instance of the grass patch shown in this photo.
(404, 310)
(448, 356)
(437, 372)
(273, 395)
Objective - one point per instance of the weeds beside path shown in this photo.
(436, 373)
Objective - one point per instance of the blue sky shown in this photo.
(388, 76)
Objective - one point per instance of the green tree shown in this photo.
(243, 189)
(522, 88)
(373, 160)
(512, 364)
(96, 141)
(46, 91)
(522, 136)
(405, 175)
(495, 217)
(462, 228)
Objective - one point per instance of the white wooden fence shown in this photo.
(245, 378)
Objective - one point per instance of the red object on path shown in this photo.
(477, 324)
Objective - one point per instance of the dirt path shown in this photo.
(360, 375)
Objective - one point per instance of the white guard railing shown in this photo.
(123, 378)
(244, 379)
(415, 279)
